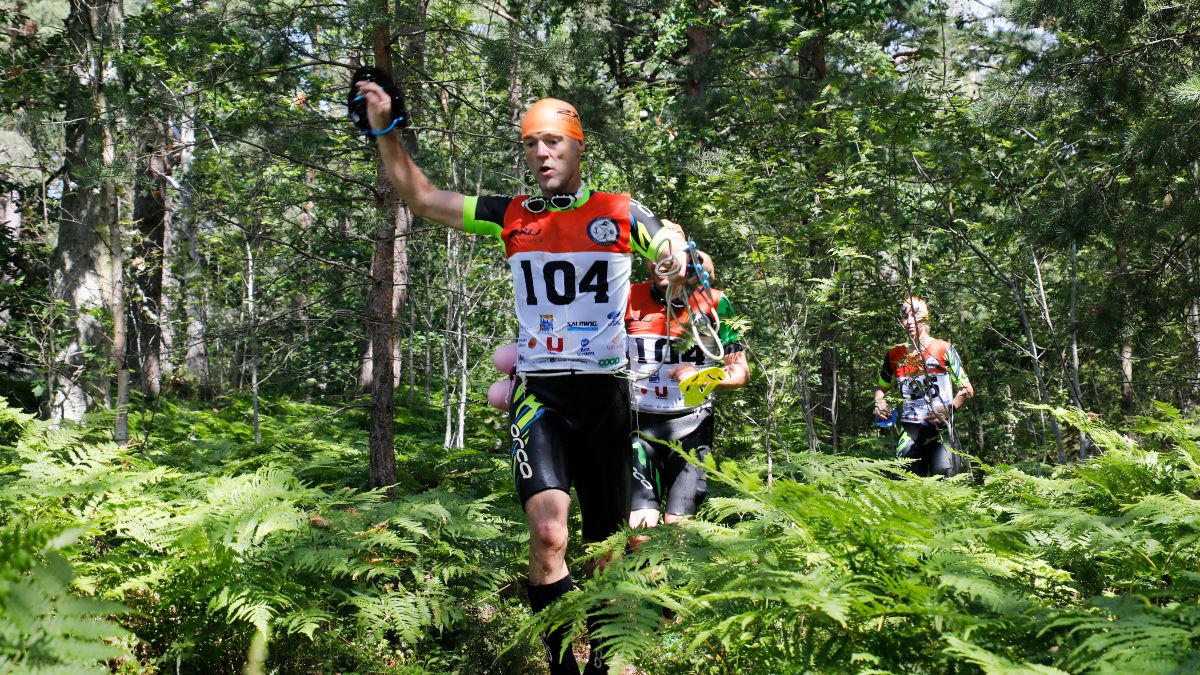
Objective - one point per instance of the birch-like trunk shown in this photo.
(252, 342)
(1126, 349)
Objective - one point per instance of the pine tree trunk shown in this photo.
(381, 298)
(152, 209)
(80, 266)
(699, 45)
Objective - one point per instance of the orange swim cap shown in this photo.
(551, 114)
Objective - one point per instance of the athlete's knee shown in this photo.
(547, 537)
(546, 512)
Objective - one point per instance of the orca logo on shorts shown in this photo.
(526, 411)
(642, 479)
(519, 456)
(604, 231)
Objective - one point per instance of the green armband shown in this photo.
(958, 376)
(472, 226)
(666, 240)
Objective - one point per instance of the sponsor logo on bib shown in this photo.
(603, 231)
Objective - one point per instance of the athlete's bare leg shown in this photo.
(546, 513)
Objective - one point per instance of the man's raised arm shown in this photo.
(415, 188)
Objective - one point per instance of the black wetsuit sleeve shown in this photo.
(647, 234)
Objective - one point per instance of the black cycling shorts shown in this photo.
(921, 442)
(660, 472)
(574, 430)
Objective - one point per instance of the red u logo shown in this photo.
(554, 344)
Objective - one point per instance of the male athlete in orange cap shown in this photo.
(569, 251)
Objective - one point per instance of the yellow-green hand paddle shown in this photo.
(697, 386)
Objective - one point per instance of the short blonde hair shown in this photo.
(917, 305)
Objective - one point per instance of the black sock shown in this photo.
(540, 597)
(596, 664)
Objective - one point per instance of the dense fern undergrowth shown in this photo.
(195, 549)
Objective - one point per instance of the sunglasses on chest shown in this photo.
(560, 201)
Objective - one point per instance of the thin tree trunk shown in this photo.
(1076, 388)
(516, 92)
(827, 336)
(449, 340)
(252, 343)
(120, 335)
(1031, 343)
(1039, 376)
(195, 309)
(1126, 349)
(1193, 264)
(412, 365)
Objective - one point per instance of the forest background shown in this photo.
(245, 424)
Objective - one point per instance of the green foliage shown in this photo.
(45, 627)
(211, 540)
(845, 564)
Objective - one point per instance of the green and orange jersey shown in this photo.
(923, 379)
(570, 270)
(655, 347)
